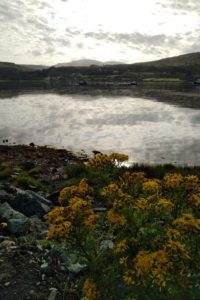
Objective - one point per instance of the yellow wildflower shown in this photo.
(89, 290)
(175, 248)
(153, 264)
(131, 178)
(151, 186)
(191, 182)
(121, 246)
(91, 219)
(116, 218)
(60, 231)
(173, 180)
(128, 278)
(173, 233)
(123, 261)
(55, 215)
(143, 263)
(164, 203)
(195, 200)
(112, 190)
(81, 190)
(187, 221)
(142, 203)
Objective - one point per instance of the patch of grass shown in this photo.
(5, 170)
(158, 171)
(35, 171)
(26, 181)
(170, 79)
(75, 169)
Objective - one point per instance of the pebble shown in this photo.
(44, 266)
(53, 294)
(7, 284)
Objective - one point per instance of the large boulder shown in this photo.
(17, 222)
(30, 203)
(7, 213)
(27, 202)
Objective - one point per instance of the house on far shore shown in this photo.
(134, 82)
(197, 81)
(83, 82)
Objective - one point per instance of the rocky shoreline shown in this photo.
(31, 268)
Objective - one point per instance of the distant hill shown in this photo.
(181, 60)
(182, 67)
(86, 63)
(34, 67)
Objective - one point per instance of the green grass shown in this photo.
(5, 170)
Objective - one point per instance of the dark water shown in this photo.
(152, 124)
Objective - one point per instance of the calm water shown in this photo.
(149, 131)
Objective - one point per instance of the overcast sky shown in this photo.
(54, 31)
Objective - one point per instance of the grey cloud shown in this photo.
(133, 38)
(72, 31)
(36, 53)
(181, 5)
(149, 44)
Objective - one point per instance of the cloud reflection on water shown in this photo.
(147, 130)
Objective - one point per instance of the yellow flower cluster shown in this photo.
(129, 277)
(60, 231)
(153, 264)
(143, 204)
(191, 182)
(175, 248)
(82, 190)
(172, 233)
(164, 203)
(151, 186)
(121, 246)
(187, 221)
(89, 290)
(102, 161)
(131, 178)
(195, 200)
(112, 189)
(115, 218)
(173, 180)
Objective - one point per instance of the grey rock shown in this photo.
(7, 213)
(18, 226)
(5, 196)
(76, 267)
(37, 226)
(27, 202)
(106, 244)
(100, 209)
(30, 203)
(53, 294)
(44, 266)
(17, 222)
(7, 244)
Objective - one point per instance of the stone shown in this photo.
(17, 223)
(7, 244)
(53, 294)
(28, 165)
(44, 266)
(7, 213)
(18, 226)
(76, 268)
(29, 203)
(106, 244)
(25, 201)
(5, 196)
(37, 226)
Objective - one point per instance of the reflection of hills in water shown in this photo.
(149, 131)
(184, 95)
